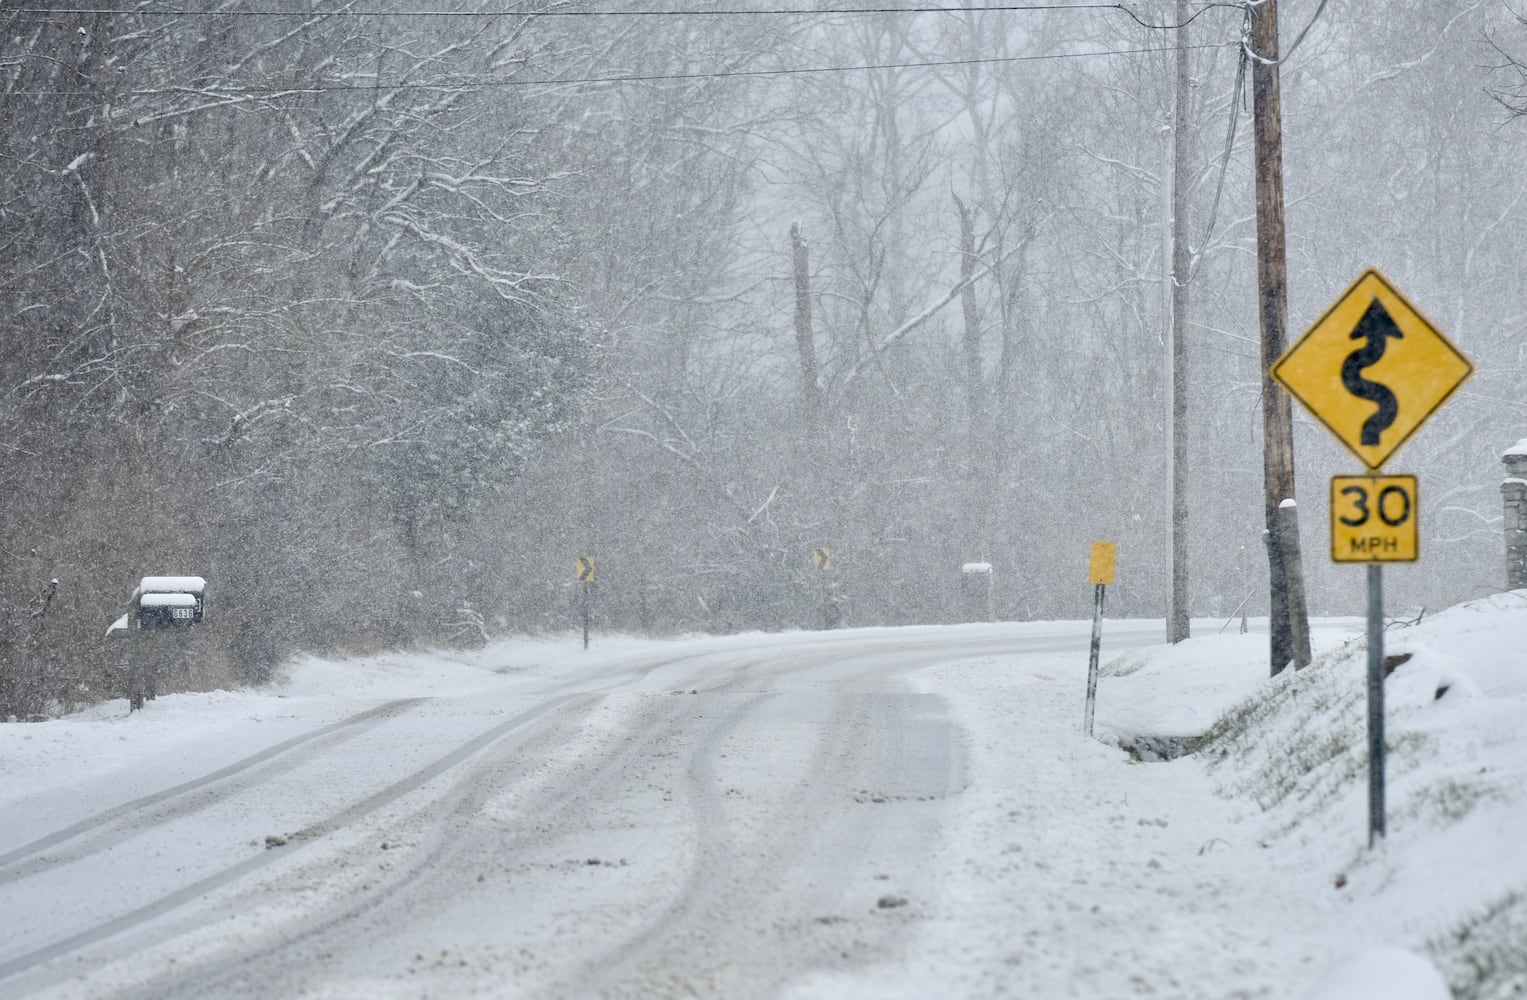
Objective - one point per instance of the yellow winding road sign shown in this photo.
(1372, 369)
(585, 569)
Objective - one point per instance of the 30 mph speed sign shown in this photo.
(1373, 519)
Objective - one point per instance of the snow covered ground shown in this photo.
(865, 813)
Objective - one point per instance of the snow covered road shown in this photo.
(718, 817)
(862, 813)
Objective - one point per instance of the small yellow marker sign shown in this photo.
(821, 558)
(1374, 519)
(1372, 369)
(585, 569)
(1100, 567)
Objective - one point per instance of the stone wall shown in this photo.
(1514, 496)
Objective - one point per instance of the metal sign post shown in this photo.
(1373, 521)
(1375, 703)
(1100, 570)
(1372, 369)
(586, 578)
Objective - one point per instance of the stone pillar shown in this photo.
(977, 596)
(1514, 496)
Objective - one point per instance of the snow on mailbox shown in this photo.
(169, 601)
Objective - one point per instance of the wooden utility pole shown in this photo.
(805, 337)
(1178, 620)
(971, 341)
(1289, 626)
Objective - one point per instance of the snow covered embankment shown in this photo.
(1450, 879)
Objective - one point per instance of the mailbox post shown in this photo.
(160, 615)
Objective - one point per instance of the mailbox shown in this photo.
(170, 601)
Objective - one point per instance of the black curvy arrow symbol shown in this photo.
(1376, 327)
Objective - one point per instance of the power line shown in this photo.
(1181, 24)
(296, 91)
(666, 12)
(1285, 56)
(1224, 163)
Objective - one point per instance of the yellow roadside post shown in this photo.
(1100, 570)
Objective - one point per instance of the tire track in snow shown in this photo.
(461, 840)
(232, 873)
(758, 871)
(122, 820)
(191, 893)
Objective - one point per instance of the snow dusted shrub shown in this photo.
(1300, 744)
(39, 677)
(1485, 957)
